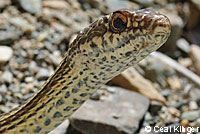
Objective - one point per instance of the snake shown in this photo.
(99, 52)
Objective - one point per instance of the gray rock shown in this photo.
(7, 37)
(5, 53)
(61, 129)
(22, 23)
(195, 95)
(116, 113)
(191, 115)
(183, 44)
(144, 2)
(3, 89)
(43, 74)
(29, 79)
(116, 4)
(4, 3)
(180, 103)
(166, 92)
(7, 77)
(31, 6)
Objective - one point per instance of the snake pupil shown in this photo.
(119, 24)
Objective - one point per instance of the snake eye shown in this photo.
(118, 23)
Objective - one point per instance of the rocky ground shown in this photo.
(34, 36)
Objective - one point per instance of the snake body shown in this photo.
(99, 52)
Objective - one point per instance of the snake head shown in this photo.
(122, 38)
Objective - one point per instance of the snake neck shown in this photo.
(64, 92)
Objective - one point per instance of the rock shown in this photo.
(166, 92)
(8, 37)
(155, 107)
(179, 104)
(132, 80)
(43, 74)
(5, 53)
(3, 89)
(31, 6)
(195, 95)
(96, 95)
(119, 4)
(117, 113)
(183, 44)
(193, 105)
(29, 79)
(186, 62)
(190, 115)
(55, 58)
(23, 24)
(176, 30)
(7, 77)
(174, 82)
(194, 54)
(175, 112)
(56, 4)
(184, 123)
(145, 3)
(196, 3)
(4, 3)
(61, 129)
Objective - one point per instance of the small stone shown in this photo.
(7, 37)
(55, 58)
(144, 2)
(180, 103)
(184, 123)
(5, 53)
(148, 116)
(56, 4)
(195, 95)
(4, 3)
(174, 82)
(31, 6)
(114, 5)
(29, 79)
(183, 44)
(3, 89)
(43, 74)
(193, 105)
(155, 107)
(194, 55)
(96, 95)
(175, 112)
(23, 24)
(7, 77)
(186, 62)
(166, 92)
(190, 115)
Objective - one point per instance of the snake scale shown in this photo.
(99, 52)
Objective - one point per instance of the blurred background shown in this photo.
(163, 90)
